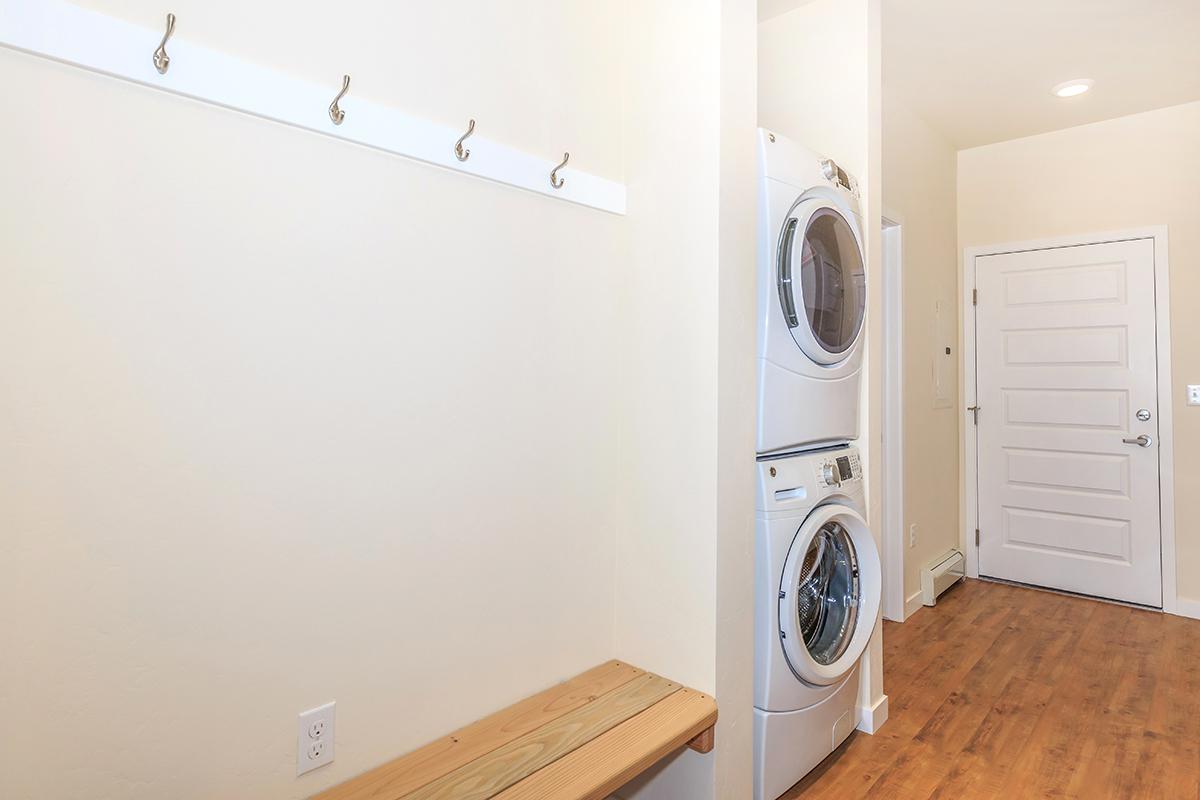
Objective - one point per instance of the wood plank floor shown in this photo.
(1006, 692)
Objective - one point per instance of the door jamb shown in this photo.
(1166, 455)
(892, 452)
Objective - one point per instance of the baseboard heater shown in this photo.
(941, 575)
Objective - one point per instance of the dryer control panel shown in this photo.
(839, 468)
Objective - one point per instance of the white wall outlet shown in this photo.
(912, 535)
(1194, 394)
(314, 738)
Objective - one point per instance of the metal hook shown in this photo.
(336, 114)
(460, 152)
(162, 61)
(556, 181)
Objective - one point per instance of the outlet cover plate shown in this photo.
(1193, 397)
(314, 738)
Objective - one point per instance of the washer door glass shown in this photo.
(828, 593)
(833, 280)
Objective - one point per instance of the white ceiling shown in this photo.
(980, 71)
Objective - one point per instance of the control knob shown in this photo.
(831, 475)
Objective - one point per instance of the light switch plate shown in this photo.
(1193, 394)
(314, 738)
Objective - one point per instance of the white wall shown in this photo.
(284, 421)
(736, 406)
(819, 82)
(1130, 172)
(919, 191)
(685, 541)
(813, 79)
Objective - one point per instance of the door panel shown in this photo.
(1095, 473)
(1062, 347)
(1066, 408)
(1073, 534)
(1065, 358)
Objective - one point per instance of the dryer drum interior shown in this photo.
(832, 276)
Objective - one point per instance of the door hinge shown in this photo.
(974, 297)
(977, 537)
(974, 414)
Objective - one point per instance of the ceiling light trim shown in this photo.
(1073, 87)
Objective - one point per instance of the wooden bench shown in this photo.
(580, 740)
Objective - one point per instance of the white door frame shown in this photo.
(1166, 455)
(892, 457)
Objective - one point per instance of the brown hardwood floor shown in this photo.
(1006, 692)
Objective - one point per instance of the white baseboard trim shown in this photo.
(913, 603)
(1185, 607)
(871, 718)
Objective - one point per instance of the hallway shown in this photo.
(1001, 691)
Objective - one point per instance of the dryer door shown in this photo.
(822, 280)
(829, 595)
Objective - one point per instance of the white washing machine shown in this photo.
(812, 299)
(817, 593)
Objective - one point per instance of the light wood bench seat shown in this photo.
(580, 740)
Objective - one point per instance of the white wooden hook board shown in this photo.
(64, 32)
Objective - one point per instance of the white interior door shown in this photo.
(1068, 421)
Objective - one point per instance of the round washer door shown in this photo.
(829, 595)
(822, 280)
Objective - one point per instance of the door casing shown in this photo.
(969, 495)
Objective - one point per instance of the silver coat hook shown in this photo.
(556, 181)
(162, 61)
(336, 114)
(460, 152)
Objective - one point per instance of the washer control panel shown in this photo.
(839, 468)
(798, 482)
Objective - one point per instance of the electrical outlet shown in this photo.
(1194, 394)
(314, 738)
(912, 535)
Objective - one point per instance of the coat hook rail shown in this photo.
(70, 33)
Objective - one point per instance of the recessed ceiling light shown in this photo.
(1072, 88)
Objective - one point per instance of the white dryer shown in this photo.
(817, 593)
(812, 299)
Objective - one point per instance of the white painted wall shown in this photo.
(685, 542)
(1124, 173)
(919, 190)
(813, 78)
(819, 82)
(285, 420)
(736, 404)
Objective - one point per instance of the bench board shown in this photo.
(579, 740)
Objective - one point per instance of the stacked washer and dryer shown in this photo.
(817, 573)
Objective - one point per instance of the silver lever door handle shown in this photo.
(1141, 441)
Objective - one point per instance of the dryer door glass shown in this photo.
(828, 594)
(832, 280)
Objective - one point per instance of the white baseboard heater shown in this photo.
(941, 575)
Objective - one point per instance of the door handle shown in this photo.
(1140, 441)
